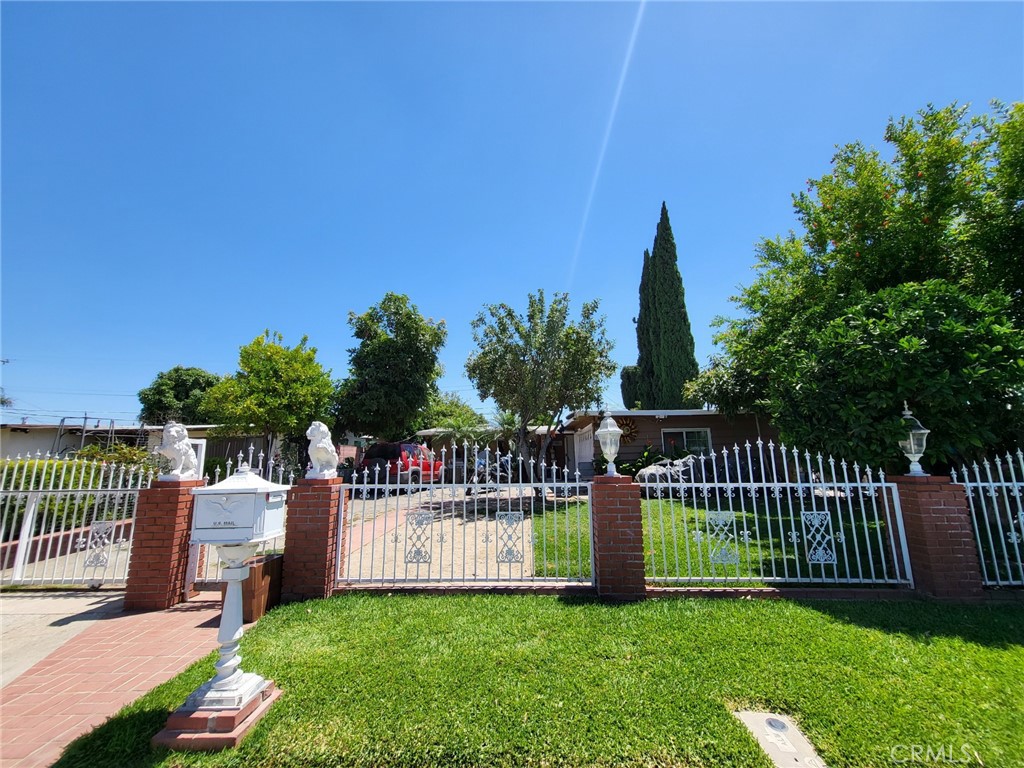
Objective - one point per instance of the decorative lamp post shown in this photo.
(913, 445)
(608, 435)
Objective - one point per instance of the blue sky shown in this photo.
(177, 177)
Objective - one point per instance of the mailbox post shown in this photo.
(235, 516)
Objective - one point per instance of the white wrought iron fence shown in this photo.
(473, 516)
(993, 492)
(767, 514)
(67, 521)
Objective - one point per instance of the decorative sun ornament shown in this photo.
(629, 430)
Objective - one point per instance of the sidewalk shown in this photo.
(96, 671)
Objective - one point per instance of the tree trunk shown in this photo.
(524, 450)
(271, 438)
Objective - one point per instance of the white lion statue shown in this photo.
(323, 456)
(178, 450)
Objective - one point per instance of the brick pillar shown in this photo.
(618, 539)
(163, 528)
(311, 539)
(940, 538)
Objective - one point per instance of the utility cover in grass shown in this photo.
(781, 740)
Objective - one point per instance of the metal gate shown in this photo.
(763, 514)
(994, 493)
(67, 521)
(485, 520)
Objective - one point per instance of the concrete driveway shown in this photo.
(34, 624)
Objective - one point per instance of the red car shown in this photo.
(399, 463)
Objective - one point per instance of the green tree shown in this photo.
(539, 364)
(904, 285)
(279, 390)
(665, 341)
(394, 370)
(453, 415)
(504, 426)
(447, 406)
(176, 395)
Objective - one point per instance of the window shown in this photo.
(676, 441)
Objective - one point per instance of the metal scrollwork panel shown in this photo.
(1013, 536)
(722, 548)
(818, 538)
(417, 537)
(99, 542)
(510, 529)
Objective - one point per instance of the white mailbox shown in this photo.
(243, 508)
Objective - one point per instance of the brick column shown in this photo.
(163, 528)
(940, 538)
(311, 539)
(618, 539)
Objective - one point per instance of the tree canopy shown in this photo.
(905, 284)
(279, 390)
(454, 416)
(539, 364)
(665, 341)
(176, 395)
(393, 372)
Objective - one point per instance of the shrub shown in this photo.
(117, 453)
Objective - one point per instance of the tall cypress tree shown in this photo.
(663, 334)
(638, 380)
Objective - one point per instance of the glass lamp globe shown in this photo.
(608, 435)
(913, 444)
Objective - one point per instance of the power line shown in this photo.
(101, 415)
(71, 392)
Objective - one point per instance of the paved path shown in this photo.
(33, 624)
(96, 671)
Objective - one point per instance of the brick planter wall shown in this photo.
(163, 528)
(618, 539)
(940, 538)
(311, 539)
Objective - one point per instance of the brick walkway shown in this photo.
(92, 676)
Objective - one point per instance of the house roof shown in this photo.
(662, 413)
(69, 428)
(435, 431)
(575, 418)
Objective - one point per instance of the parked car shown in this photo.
(399, 463)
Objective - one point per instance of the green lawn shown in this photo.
(561, 535)
(375, 680)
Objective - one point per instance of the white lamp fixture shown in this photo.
(913, 445)
(608, 435)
